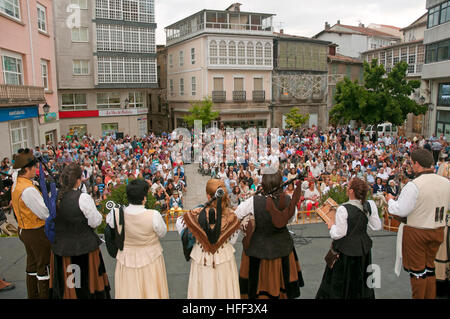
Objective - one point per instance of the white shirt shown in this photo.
(89, 209)
(159, 226)
(339, 229)
(406, 201)
(35, 202)
(247, 207)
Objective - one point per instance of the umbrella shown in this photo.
(50, 202)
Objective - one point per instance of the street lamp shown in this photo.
(46, 108)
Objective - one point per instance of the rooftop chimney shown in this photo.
(281, 31)
(339, 22)
(361, 25)
(327, 26)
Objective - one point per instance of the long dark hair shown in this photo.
(69, 176)
(271, 181)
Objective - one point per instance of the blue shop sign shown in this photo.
(18, 113)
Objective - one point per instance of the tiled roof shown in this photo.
(367, 31)
(344, 58)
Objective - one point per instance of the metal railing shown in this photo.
(219, 96)
(16, 94)
(259, 96)
(239, 96)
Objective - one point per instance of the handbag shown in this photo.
(331, 257)
(114, 239)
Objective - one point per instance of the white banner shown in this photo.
(122, 112)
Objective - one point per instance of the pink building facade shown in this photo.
(27, 75)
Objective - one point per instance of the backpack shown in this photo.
(113, 239)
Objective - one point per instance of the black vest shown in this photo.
(268, 242)
(73, 235)
(356, 242)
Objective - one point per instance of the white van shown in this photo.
(384, 129)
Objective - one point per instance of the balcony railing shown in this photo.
(239, 96)
(259, 96)
(20, 94)
(219, 96)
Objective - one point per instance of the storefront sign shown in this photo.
(50, 117)
(18, 113)
(122, 112)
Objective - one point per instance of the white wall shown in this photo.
(349, 44)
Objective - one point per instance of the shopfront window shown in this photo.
(78, 130)
(19, 135)
(110, 128)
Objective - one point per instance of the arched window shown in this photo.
(222, 52)
(259, 53)
(213, 52)
(241, 53)
(232, 52)
(267, 54)
(250, 53)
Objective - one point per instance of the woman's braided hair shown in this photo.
(68, 179)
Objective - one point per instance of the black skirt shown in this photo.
(347, 279)
(89, 281)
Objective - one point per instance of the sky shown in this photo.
(299, 17)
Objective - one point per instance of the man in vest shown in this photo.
(31, 213)
(424, 201)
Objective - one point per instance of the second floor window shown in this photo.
(80, 34)
(170, 61)
(12, 70)
(181, 58)
(44, 73)
(193, 56)
(81, 3)
(108, 100)
(73, 101)
(10, 8)
(42, 18)
(194, 86)
(136, 99)
(181, 86)
(81, 67)
(171, 87)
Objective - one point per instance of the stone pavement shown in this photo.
(311, 242)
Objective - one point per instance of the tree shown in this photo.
(201, 111)
(383, 98)
(295, 120)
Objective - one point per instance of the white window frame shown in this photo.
(44, 75)
(193, 86)
(181, 58)
(74, 106)
(108, 105)
(132, 98)
(192, 55)
(42, 23)
(181, 86)
(78, 32)
(22, 126)
(81, 67)
(20, 73)
(81, 3)
(15, 6)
